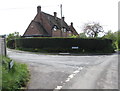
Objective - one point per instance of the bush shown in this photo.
(65, 44)
(114, 36)
(15, 78)
(118, 40)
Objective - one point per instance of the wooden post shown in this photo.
(3, 46)
(5, 51)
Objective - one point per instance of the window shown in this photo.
(69, 31)
(64, 29)
(55, 28)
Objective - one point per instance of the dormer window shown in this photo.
(69, 31)
(55, 28)
(64, 29)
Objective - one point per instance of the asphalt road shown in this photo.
(69, 72)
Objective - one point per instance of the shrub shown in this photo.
(66, 44)
(118, 40)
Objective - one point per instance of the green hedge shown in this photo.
(11, 44)
(65, 44)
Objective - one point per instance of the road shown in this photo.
(69, 71)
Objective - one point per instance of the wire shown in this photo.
(46, 6)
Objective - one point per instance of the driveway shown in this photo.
(69, 71)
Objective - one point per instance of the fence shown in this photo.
(2, 46)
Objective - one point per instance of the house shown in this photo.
(46, 25)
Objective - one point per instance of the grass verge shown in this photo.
(16, 78)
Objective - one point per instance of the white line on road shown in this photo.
(68, 79)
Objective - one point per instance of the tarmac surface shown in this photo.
(69, 71)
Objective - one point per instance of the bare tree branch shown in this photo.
(93, 29)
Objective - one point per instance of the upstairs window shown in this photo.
(64, 29)
(69, 31)
(55, 28)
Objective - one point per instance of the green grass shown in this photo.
(15, 78)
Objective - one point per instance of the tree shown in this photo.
(82, 35)
(118, 40)
(13, 36)
(93, 29)
(113, 36)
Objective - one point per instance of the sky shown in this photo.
(16, 15)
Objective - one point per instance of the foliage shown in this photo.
(113, 36)
(16, 77)
(110, 35)
(73, 36)
(12, 36)
(11, 44)
(82, 35)
(92, 29)
(65, 44)
(118, 40)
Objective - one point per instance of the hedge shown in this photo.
(65, 44)
(11, 44)
(118, 42)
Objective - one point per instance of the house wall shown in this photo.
(69, 34)
(64, 34)
(56, 33)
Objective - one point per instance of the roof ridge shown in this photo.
(56, 21)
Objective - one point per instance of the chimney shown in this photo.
(55, 15)
(71, 23)
(38, 9)
(63, 18)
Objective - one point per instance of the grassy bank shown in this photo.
(15, 78)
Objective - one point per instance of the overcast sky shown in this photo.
(16, 15)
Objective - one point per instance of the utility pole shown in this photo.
(61, 18)
(61, 10)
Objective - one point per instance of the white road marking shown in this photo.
(69, 78)
(75, 72)
(58, 87)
